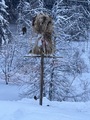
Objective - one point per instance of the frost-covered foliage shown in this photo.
(7, 62)
(71, 24)
(73, 21)
(61, 74)
(28, 10)
(5, 33)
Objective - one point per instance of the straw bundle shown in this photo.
(42, 24)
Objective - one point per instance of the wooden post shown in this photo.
(41, 81)
(42, 56)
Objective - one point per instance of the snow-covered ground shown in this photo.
(9, 92)
(14, 108)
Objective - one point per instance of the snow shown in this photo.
(14, 108)
(2, 2)
(9, 92)
(1, 18)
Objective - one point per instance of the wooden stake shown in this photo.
(41, 81)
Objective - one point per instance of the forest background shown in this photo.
(65, 79)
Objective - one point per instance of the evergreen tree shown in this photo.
(5, 34)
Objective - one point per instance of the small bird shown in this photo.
(24, 30)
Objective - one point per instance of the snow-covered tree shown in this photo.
(12, 17)
(22, 9)
(71, 23)
(28, 10)
(7, 62)
(5, 34)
